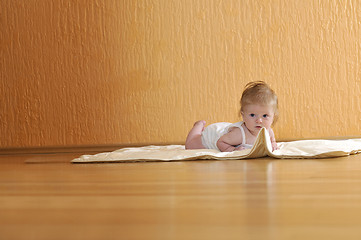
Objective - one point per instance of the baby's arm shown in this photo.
(228, 141)
(273, 140)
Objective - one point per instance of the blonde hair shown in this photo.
(259, 93)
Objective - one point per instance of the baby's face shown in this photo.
(256, 116)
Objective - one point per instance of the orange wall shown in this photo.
(117, 72)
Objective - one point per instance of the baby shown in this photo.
(259, 108)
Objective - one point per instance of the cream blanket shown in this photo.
(261, 148)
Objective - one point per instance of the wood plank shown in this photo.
(245, 199)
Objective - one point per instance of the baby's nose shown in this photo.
(259, 120)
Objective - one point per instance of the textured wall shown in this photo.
(117, 72)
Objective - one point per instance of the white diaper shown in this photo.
(213, 132)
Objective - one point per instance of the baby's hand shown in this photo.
(239, 148)
(274, 146)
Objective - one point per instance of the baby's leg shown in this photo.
(194, 138)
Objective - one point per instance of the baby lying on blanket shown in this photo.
(259, 108)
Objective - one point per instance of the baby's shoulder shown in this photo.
(234, 129)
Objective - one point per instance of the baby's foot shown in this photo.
(200, 124)
(194, 138)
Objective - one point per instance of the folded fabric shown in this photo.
(261, 148)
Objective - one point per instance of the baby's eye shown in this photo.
(252, 115)
(265, 115)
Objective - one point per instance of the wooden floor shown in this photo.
(44, 196)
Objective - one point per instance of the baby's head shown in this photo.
(259, 93)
